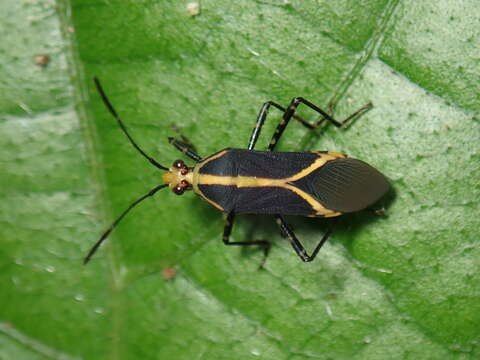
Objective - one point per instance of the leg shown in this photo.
(183, 138)
(297, 245)
(262, 115)
(226, 237)
(290, 112)
(184, 148)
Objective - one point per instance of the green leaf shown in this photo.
(395, 287)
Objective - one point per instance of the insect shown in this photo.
(318, 184)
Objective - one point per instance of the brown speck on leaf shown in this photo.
(169, 273)
(42, 60)
(331, 296)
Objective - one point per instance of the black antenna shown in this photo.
(122, 125)
(115, 223)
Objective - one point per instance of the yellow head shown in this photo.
(179, 177)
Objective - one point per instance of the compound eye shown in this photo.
(179, 164)
(178, 190)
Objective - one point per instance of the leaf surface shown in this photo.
(396, 287)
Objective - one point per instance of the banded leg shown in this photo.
(290, 112)
(183, 138)
(185, 148)
(262, 115)
(227, 230)
(297, 245)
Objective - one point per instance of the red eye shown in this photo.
(184, 183)
(179, 164)
(178, 190)
(184, 171)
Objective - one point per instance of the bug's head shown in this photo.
(179, 177)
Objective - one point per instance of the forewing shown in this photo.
(345, 185)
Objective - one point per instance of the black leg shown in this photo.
(185, 148)
(297, 245)
(183, 138)
(227, 230)
(290, 112)
(262, 115)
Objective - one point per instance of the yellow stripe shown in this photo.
(197, 168)
(251, 181)
(195, 178)
(323, 158)
(315, 204)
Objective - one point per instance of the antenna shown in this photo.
(152, 192)
(110, 107)
(95, 247)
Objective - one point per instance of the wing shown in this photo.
(345, 185)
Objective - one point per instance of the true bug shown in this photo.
(245, 181)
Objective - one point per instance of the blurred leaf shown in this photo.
(382, 288)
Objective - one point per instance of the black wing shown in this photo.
(345, 185)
